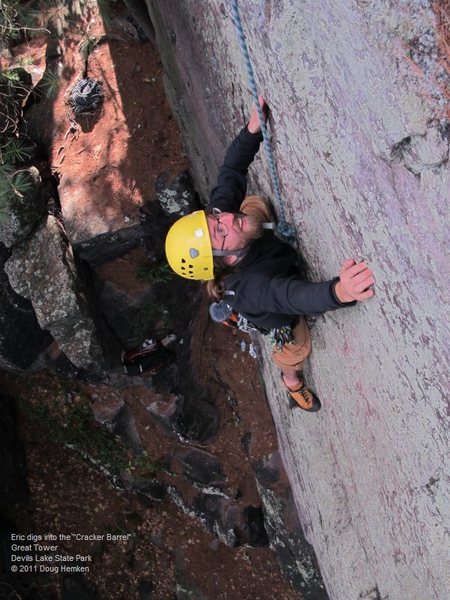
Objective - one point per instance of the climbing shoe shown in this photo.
(303, 397)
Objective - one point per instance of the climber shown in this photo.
(233, 248)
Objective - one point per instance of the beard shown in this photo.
(253, 231)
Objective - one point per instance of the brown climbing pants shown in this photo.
(293, 354)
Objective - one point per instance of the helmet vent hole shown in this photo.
(183, 260)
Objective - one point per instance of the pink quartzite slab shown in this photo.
(360, 133)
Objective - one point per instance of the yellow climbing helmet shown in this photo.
(188, 247)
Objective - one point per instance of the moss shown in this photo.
(74, 426)
(159, 273)
(143, 466)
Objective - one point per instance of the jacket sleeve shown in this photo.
(294, 296)
(231, 186)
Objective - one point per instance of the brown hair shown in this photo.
(216, 287)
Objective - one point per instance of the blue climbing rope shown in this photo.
(284, 228)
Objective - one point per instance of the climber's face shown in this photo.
(232, 231)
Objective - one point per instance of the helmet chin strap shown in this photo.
(239, 253)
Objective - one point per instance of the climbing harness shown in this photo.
(222, 312)
(284, 228)
(280, 336)
(86, 96)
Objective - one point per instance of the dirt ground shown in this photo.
(118, 161)
(69, 495)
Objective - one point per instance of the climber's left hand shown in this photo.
(355, 282)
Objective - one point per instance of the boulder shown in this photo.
(150, 490)
(23, 213)
(22, 341)
(177, 197)
(190, 416)
(98, 248)
(140, 14)
(230, 519)
(43, 270)
(201, 467)
(296, 556)
(125, 429)
(34, 48)
(131, 314)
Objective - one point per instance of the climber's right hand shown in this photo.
(253, 125)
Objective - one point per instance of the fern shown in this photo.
(21, 184)
(3, 211)
(6, 189)
(10, 15)
(25, 61)
(54, 17)
(87, 46)
(12, 77)
(6, 170)
(160, 273)
(18, 17)
(14, 185)
(50, 84)
(16, 150)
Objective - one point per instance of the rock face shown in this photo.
(296, 557)
(43, 271)
(21, 339)
(361, 142)
(23, 214)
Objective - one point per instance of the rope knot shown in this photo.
(286, 231)
(86, 96)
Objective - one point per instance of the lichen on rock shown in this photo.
(22, 212)
(39, 270)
